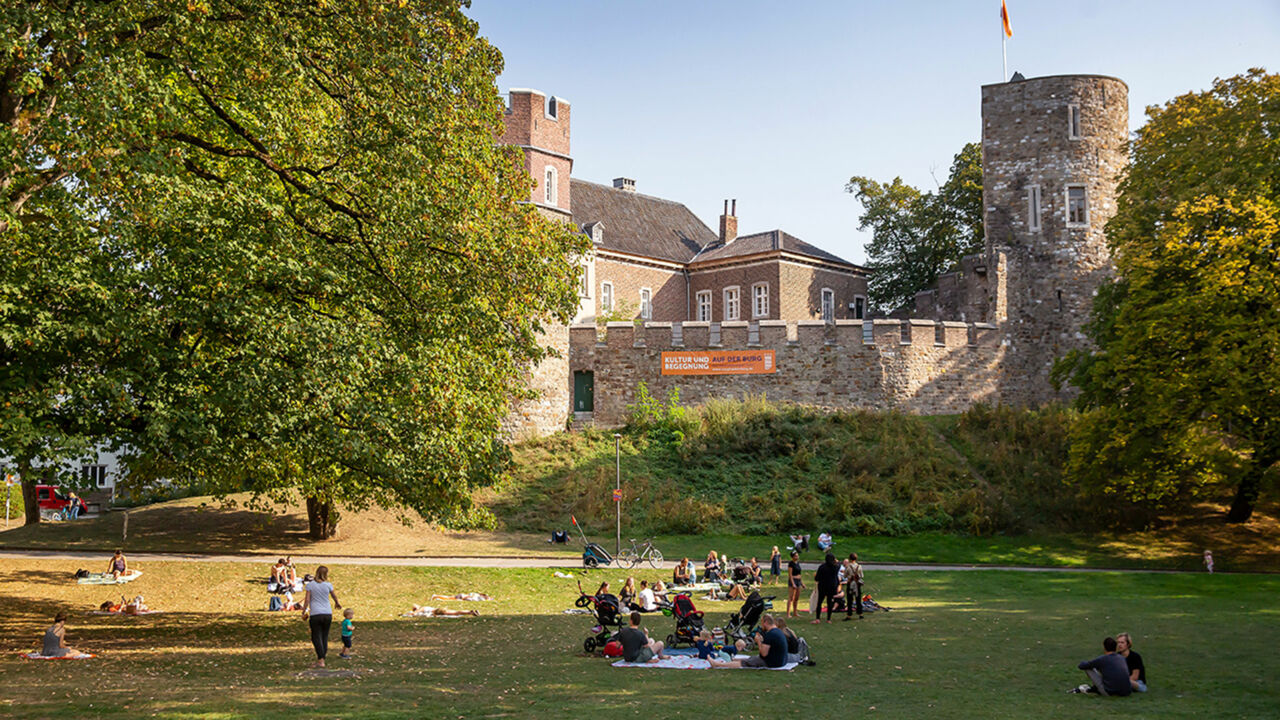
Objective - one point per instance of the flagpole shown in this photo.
(1004, 54)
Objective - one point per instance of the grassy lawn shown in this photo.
(986, 644)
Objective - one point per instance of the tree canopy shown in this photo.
(268, 246)
(917, 236)
(1183, 391)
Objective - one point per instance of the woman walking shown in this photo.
(794, 585)
(319, 612)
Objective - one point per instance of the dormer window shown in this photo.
(550, 186)
(597, 233)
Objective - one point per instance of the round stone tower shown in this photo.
(1053, 149)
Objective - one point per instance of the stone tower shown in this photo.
(1053, 149)
(538, 124)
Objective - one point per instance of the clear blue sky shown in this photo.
(778, 104)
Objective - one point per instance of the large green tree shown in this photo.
(916, 235)
(1183, 391)
(296, 258)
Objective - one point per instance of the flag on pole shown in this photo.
(574, 520)
(1004, 18)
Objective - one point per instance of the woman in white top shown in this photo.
(647, 602)
(318, 610)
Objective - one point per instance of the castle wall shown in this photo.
(962, 295)
(551, 381)
(918, 367)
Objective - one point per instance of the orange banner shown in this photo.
(719, 362)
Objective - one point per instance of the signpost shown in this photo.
(617, 492)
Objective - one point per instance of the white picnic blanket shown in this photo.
(690, 662)
(38, 656)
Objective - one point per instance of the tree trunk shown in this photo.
(1250, 486)
(322, 516)
(30, 504)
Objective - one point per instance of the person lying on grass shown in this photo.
(772, 644)
(470, 597)
(637, 647)
(428, 611)
(55, 639)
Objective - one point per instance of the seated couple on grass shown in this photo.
(1117, 671)
(284, 577)
(647, 599)
(772, 645)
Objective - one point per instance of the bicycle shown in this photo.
(636, 554)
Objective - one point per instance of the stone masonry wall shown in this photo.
(918, 366)
(551, 380)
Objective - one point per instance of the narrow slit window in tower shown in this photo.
(1033, 208)
(1073, 122)
(551, 186)
(1059, 301)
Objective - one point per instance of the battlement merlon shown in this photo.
(850, 335)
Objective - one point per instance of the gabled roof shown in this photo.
(639, 224)
(766, 242)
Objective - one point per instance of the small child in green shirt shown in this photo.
(348, 630)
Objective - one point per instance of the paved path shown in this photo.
(544, 561)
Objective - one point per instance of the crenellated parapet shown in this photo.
(915, 365)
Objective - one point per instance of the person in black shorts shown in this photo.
(636, 645)
(794, 585)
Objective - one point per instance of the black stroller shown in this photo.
(607, 610)
(689, 622)
(744, 624)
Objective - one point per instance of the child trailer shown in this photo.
(593, 555)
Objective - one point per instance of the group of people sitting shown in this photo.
(284, 577)
(1119, 670)
(642, 598)
(776, 645)
(736, 578)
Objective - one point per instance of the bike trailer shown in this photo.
(594, 556)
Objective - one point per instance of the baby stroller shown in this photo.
(744, 623)
(688, 622)
(607, 610)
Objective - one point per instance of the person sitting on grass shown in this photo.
(660, 593)
(118, 565)
(1137, 669)
(711, 568)
(825, 542)
(136, 606)
(290, 573)
(1108, 673)
(637, 647)
(628, 593)
(428, 611)
(755, 573)
(772, 644)
(683, 574)
(55, 639)
(278, 573)
(647, 601)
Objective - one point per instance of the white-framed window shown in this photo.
(859, 307)
(1077, 206)
(828, 304)
(551, 185)
(760, 300)
(731, 303)
(606, 296)
(646, 304)
(703, 299)
(95, 475)
(1033, 208)
(584, 282)
(1073, 122)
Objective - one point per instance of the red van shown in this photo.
(52, 498)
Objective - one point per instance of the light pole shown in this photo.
(617, 493)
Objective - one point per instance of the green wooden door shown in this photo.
(583, 391)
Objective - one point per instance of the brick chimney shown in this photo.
(625, 184)
(729, 223)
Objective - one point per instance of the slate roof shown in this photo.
(770, 241)
(639, 224)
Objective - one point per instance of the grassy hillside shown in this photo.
(751, 467)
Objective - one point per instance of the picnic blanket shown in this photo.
(121, 612)
(38, 656)
(698, 587)
(690, 662)
(108, 578)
